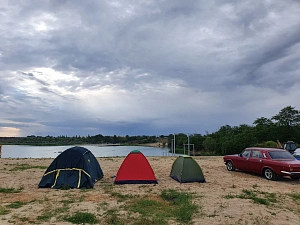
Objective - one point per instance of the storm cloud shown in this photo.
(145, 67)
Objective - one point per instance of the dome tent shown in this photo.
(135, 169)
(185, 169)
(75, 167)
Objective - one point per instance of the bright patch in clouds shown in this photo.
(9, 132)
(43, 22)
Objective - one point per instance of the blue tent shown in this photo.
(76, 167)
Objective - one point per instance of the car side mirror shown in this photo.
(240, 155)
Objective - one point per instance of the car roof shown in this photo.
(266, 149)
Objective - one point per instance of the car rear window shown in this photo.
(281, 155)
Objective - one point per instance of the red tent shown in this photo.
(135, 169)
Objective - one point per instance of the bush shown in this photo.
(268, 144)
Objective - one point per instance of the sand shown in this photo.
(216, 198)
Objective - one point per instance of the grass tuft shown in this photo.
(295, 196)
(4, 211)
(16, 205)
(258, 197)
(21, 167)
(112, 217)
(11, 190)
(82, 218)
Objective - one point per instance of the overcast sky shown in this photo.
(145, 67)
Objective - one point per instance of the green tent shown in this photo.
(185, 169)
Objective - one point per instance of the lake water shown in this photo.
(25, 151)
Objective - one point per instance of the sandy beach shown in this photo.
(223, 199)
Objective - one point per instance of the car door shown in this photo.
(243, 160)
(255, 161)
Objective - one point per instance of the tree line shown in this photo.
(78, 140)
(264, 132)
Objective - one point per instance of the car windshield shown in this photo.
(280, 155)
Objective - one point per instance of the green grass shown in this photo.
(11, 190)
(121, 196)
(44, 217)
(151, 208)
(82, 218)
(48, 214)
(182, 202)
(112, 217)
(21, 167)
(295, 196)
(170, 204)
(4, 211)
(229, 196)
(16, 205)
(258, 197)
(107, 187)
(67, 202)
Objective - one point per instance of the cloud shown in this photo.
(145, 67)
(9, 132)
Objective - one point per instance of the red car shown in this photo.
(270, 162)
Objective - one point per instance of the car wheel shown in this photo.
(269, 174)
(230, 166)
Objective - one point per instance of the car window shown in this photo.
(246, 153)
(281, 155)
(256, 154)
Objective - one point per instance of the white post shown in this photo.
(174, 146)
(188, 135)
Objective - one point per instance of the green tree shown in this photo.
(263, 121)
(197, 140)
(264, 129)
(288, 116)
(288, 119)
(210, 145)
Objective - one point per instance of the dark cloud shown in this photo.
(145, 67)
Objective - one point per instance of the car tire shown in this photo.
(269, 174)
(230, 166)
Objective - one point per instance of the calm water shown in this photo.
(24, 151)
